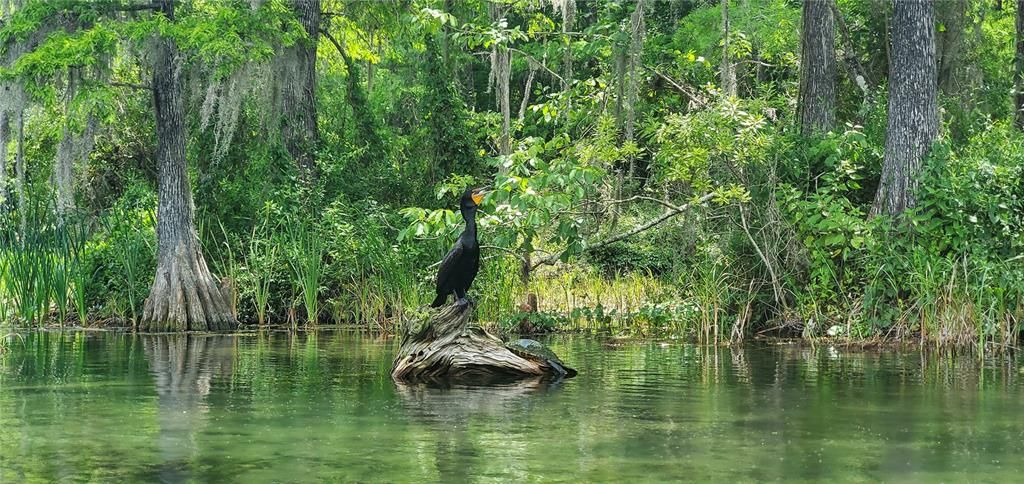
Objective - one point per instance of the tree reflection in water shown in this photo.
(183, 367)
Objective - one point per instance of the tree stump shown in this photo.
(442, 345)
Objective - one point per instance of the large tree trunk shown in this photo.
(817, 102)
(1018, 99)
(913, 108)
(443, 346)
(184, 295)
(299, 129)
(728, 69)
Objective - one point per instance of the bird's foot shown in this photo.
(463, 302)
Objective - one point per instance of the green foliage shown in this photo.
(777, 235)
(121, 256)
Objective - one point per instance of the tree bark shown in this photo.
(1018, 68)
(443, 346)
(817, 99)
(728, 69)
(299, 130)
(913, 107)
(184, 295)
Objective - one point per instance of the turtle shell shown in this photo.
(535, 351)
(530, 349)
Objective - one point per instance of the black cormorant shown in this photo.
(459, 267)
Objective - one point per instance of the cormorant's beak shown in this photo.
(478, 195)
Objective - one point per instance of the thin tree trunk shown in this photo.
(620, 83)
(636, 42)
(5, 132)
(951, 14)
(370, 68)
(63, 174)
(859, 76)
(568, 8)
(728, 69)
(503, 64)
(299, 130)
(501, 71)
(19, 181)
(913, 108)
(526, 92)
(1019, 67)
(184, 295)
(817, 101)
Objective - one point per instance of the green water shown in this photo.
(274, 407)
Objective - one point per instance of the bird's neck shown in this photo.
(469, 215)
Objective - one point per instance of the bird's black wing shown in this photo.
(448, 264)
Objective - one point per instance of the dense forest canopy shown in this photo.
(709, 168)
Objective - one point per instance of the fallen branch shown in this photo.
(696, 99)
(538, 64)
(129, 85)
(672, 212)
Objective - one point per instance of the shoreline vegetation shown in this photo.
(714, 172)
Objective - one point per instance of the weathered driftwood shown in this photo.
(443, 345)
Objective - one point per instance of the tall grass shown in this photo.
(307, 261)
(38, 277)
(260, 260)
(78, 236)
(959, 302)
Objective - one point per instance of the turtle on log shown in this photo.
(535, 351)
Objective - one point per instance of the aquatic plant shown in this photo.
(306, 257)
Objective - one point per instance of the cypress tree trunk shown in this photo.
(817, 101)
(184, 295)
(299, 100)
(728, 70)
(913, 109)
(1018, 70)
